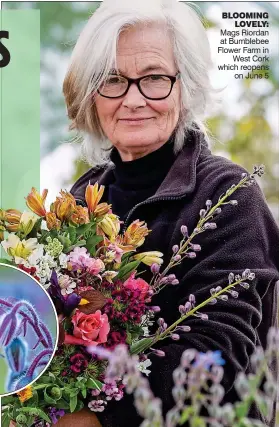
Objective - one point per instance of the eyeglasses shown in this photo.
(153, 86)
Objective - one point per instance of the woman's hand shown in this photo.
(82, 418)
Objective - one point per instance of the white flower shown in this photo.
(20, 250)
(66, 284)
(143, 365)
(36, 256)
(63, 258)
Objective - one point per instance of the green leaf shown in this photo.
(5, 419)
(43, 415)
(94, 384)
(73, 403)
(141, 345)
(84, 392)
(36, 411)
(48, 399)
(91, 244)
(6, 400)
(6, 261)
(72, 234)
(62, 404)
(82, 229)
(126, 270)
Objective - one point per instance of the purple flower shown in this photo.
(62, 304)
(55, 414)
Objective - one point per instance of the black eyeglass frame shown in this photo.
(137, 81)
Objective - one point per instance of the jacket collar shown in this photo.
(181, 178)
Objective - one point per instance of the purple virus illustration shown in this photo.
(24, 360)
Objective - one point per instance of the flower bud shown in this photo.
(175, 249)
(56, 393)
(159, 353)
(204, 316)
(208, 204)
(233, 202)
(160, 321)
(177, 258)
(210, 226)
(175, 337)
(195, 247)
(245, 285)
(155, 309)
(192, 299)
(155, 268)
(175, 282)
(21, 419)
(187, 306)
(184, 328)
(191, 255)
(182, 310)
(202, 213)
(184, 230)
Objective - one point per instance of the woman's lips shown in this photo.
(134, 121)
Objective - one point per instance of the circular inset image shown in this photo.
(28, 329)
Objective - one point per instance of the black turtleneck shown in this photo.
(137, 180)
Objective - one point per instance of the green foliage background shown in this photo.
(251, 138)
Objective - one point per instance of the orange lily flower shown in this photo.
(36, 202)
(93, 195)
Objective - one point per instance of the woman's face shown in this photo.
(141, 52)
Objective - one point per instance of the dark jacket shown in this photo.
(246, 237)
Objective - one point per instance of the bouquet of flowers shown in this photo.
(89, 266)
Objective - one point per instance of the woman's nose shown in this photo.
(134, 98)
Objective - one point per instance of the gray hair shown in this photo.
(95, 54)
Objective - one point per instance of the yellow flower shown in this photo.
(36, 202)
(64, 206)
(27, 222)
(149, 258)
(110, 225)
(79, 216)
(19, 249)
(25, 394)
(136, 233)
(93, 195)
(52, 221)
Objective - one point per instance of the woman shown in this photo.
(138, 83)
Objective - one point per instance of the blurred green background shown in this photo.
(244, 126)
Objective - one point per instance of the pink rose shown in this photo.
(95, 266)
(89, 329)
(137, 285)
